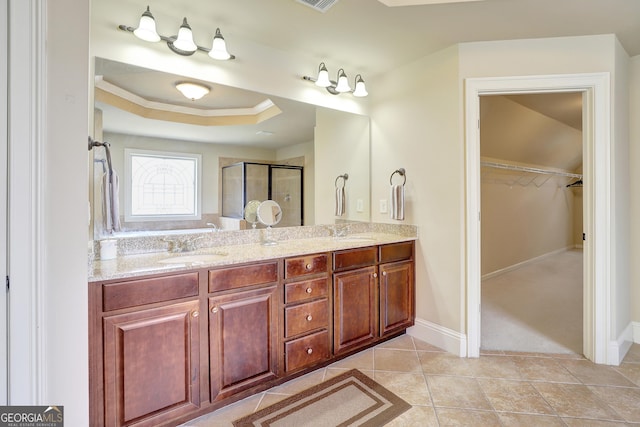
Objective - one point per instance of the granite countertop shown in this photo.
(129, 266)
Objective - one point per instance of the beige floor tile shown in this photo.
(591, 374)
(494, 367)
(541, 369)
(575, 400)
(528, 420)
(582, 422)
(444, 364)
(362, 360)
(625, 401)
(631, 371)
(457, 392)
(403, 342)
(417, 416)
(514, 396)
(423, 346)
(466, 418)
(396, 360)
(410, 387)
(224, 417)
(299, 384)
(633, 355)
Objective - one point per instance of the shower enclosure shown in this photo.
(245, 181)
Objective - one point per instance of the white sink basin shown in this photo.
(354, 239)
(193, 259)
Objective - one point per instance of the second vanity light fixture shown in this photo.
(182, 44)
(341, 85)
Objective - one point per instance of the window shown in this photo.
(161, 186)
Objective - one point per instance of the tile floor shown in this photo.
(497, 389)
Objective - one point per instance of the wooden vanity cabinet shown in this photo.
(150, 350)
(306, 312)
(355, 293)
(396, 287)
(243, 326)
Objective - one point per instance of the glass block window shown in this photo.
(162, 186)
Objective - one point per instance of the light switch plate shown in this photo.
(383, 205)
(359, 205)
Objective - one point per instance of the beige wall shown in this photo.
(634, 156)
(417, 115)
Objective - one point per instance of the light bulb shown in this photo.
(147, 28)
(360, 89)
(184, 41)
(343, 83)
(219, 47)
(323, 76)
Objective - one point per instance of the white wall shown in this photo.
(64, 214)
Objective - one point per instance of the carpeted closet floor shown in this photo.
(536, 307)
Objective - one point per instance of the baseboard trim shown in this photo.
(525, 262)
(618, 349)
(439, 336)
(636, 332)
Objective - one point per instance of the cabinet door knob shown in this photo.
(384, 273)
(309, 318)
(309, 350)
(375, 275)
(214, 309)
(195, 313)
(309, 290)
(309, 266)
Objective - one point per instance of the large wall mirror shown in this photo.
(159, 138)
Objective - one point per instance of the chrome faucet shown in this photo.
(213, 226)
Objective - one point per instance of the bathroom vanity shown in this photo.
(170, 341)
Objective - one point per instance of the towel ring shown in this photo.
(344, 178)
(400, 172)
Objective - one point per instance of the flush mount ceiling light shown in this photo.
(340, 85)
(192, 91)
(183, 43)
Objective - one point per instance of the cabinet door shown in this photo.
(396, 297)
(355, 310)
(242, 338)
(151, 365)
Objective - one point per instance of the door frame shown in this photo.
(596, 115)
(4, 81)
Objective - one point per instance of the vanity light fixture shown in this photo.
(183, 43)
(192, 91)
(340, 85)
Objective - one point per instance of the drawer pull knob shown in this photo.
(309, 266)
(309, 290)
(309, 350)
(214, 309)
(375, 275)
(309, 318)
(195, 313)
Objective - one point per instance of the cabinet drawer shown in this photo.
(301, 291)
(305, 265)
(354, 258)
(306, 317)
(306, 351)
(237, 277)
(148, 291)
(396, 252)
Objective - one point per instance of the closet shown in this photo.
(531, 222)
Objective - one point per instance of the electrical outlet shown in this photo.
(383, 205)
(359, 205)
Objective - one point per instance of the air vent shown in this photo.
(319, 5)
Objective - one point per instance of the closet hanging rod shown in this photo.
(529, 169)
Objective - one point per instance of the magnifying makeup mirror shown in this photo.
(269, 213)
(251, 212)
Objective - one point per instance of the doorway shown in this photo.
(597, 199)
(531, 227)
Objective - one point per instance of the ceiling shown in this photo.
(372, 37)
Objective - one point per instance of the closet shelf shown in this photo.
(529, 169)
